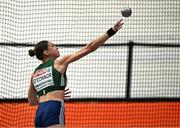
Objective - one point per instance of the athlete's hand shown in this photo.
(117, 25)
(67, 93)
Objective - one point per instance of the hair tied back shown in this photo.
(32, 52)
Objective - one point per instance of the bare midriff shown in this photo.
(55, 95)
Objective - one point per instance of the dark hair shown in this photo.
(39, 49)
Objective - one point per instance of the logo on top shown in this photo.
(41, 72)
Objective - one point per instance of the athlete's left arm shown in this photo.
(32, 98)
(89, 48)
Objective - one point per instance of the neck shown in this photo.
(46, 59)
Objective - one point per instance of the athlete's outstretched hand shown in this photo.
(117, 25)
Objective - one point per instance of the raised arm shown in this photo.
(92, 46)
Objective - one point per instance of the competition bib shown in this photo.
(43, 78)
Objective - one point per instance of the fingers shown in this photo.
(67, 96)
(66, 90)
(67, 93)
(118, 25)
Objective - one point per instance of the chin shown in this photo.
(57, 56)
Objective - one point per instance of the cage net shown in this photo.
(103, 73)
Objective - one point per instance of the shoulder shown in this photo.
(61, 60)
(60, 63)
(38, 67)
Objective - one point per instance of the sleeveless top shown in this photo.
(47, 79)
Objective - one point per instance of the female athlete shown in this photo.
(48, 81)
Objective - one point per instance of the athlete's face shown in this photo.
(53, 50)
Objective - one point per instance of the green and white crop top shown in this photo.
(47, 79)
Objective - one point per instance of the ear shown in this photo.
(46, 52)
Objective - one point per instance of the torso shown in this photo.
(57, 94)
